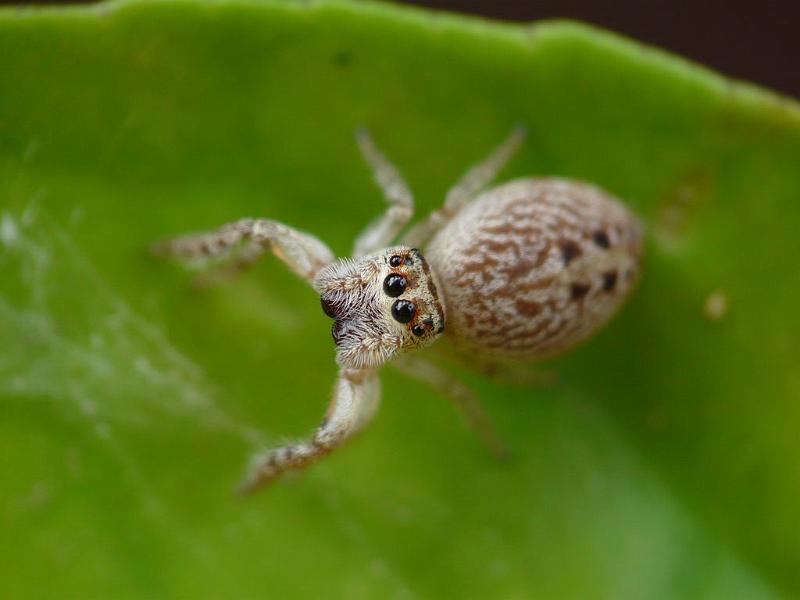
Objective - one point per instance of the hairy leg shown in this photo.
(469, 186)
(241, 259)
(303, 253)
(355, 400)
(381, 232)
(463, 398)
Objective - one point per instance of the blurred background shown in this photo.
(757, 42)
(753, 41)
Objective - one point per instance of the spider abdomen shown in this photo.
(535, 266)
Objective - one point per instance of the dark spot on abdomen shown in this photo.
(601, 239)
(609, 280)
(569, 251)
(579, 290)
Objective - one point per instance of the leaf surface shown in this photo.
(664, 462)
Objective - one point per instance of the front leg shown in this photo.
(385, 229)
(303, 253)
(355, 400)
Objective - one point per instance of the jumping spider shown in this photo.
(520, 272)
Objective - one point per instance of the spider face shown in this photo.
(381, 304)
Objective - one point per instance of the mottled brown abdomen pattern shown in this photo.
(535, 266)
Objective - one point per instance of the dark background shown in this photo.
(755, 41)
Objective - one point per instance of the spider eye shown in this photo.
(418, 330)
(327, 308)
(394, 285)
(395, 260)
(403, 311)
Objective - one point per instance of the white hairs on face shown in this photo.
(371, 350)
(346, 282)
(364, 330)
(353, 287)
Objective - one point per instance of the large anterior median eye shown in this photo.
(403, 311)
(394, 285)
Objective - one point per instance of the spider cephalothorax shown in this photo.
(381, 304)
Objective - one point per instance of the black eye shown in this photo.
(403, 311)
(418, 330)
(395, 260)
(394, 285)
(327, 308)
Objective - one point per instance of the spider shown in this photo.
(516, 273)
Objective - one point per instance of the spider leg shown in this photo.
(385, 228)
(355, 400)
(469, 186)
(303, 253)
(463, 398)
(520, 376)
(245, 257)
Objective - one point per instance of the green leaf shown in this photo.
(663, 464)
